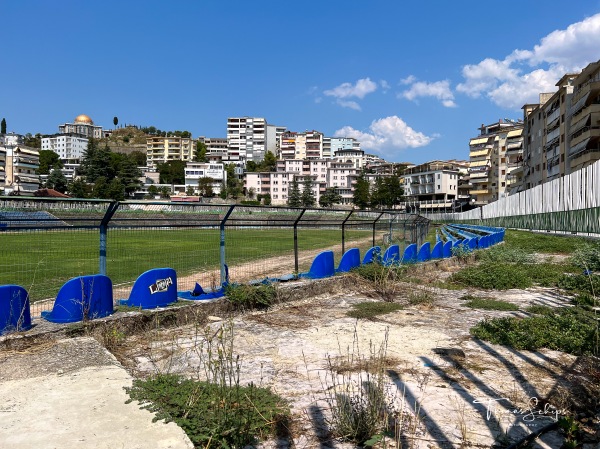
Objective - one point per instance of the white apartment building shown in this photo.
(163, 149)
(216, 147)
(434, 185)
(82, 125)
(249, 138)
(69, 147)
(306, 145)
(196, 170)
(354, 156)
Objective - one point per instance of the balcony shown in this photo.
(585, 158)
(591, 86)
(480, 192)
(584, 134)
(552, 117)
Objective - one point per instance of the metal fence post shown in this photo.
(296, 241)
(110, 211)
(344, 231)
(374, 223)
(222, 245)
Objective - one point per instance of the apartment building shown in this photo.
(354, 156)
(2, 168)
(215, 146)
(435, 185)
(84, 126)
(489, 160)
(249, 138)
(68, 146)
(194, 171)
(275, 184)
(163, 149)
(583, 117)
(20, 166)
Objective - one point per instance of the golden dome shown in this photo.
(83, 119)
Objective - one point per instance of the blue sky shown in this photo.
(411, 80)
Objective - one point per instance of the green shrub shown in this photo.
(535, 242)
(490, 304)
(505, 254)
(567, 329)
(384, 279)
(580, 283)
(372, 309)
(539, 309)
(546, 274)
(496, 276)
(587, 256)
(248, 413)
(421, 297)
(245, 297)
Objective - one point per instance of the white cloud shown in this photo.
(347, 90)
(348, 104)
(439, 89)
(385, 86)
(386, 135)
(524, 74)
(408, 80)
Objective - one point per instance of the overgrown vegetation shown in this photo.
(383, 278)
(570, 330)
(495, 276)
(540, 243)
(366, 310)
(215, 410)
(244, 297)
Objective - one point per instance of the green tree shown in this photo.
(189, 191)
(79, 189)
(361, 196)
(97, 163)
(252, 166)
(330, 197)
(172, 172)
(3, 126)
(49, 160)
(294, 195)
(267, 199)
(57, 181)
(378, 194)
(129, 175)
(165, 192)
(33, 141)
(393, 191)
(308, 196)
(201, 150)
(205, 187)
(153, 190)
(115, 121)
(234, 185)
(269, 163)
(139, 157)
(251, 193)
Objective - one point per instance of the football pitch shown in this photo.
(42, 261)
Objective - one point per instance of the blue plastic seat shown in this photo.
(438, 250)
(391, 255)
(410, 254)
(350, 260)
(82, 298)
(15, 315)
(153, 288)
(371, 255)
(322, 266)
(424, 253)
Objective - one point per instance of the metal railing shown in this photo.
(45, 242)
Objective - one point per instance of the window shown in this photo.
(438, 177)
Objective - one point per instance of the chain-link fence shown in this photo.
(45, 242)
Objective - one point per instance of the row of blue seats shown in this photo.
(91, 297)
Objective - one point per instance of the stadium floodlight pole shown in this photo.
(344, 231)
(374, 223)
(296, 241)
(222, 245)
(110, 211)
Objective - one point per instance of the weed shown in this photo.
(244, 297)
(567, 329)
(580, 283)
(366, 310)
(383, 278)
(587, 256)
(358, 399)
(490, 304)
(541, 243)
(421, 297)
(505, 254)
(500, 276)
(216, 411)
(538, 309)
(462, 252)
(249, 412)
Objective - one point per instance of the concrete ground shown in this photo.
(70, 394)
